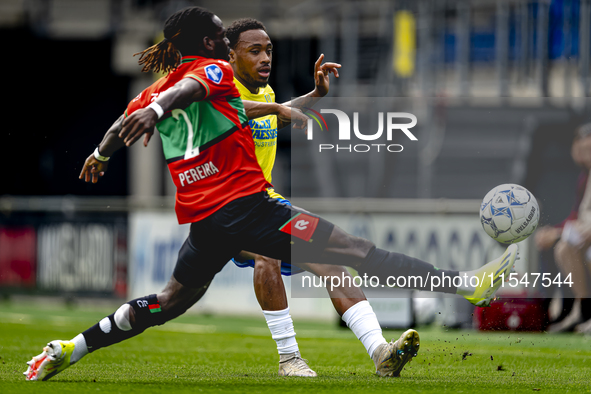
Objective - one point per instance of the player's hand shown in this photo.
(140, 122)
(93, 169)
(546, 237)
(292, 115)
(322, 73)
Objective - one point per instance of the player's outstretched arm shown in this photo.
(322, 84)
(321, 81)
(96, 164)
(257, 109)
(126, 131)
(143, 120)
(321, 76)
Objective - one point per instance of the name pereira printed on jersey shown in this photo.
(197, 173)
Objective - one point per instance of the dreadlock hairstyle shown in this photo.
(239, 26)
(183, 32)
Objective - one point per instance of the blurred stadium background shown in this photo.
(507, 82)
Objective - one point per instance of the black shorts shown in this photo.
(256, 223)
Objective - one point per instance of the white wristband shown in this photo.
(157, 108)
(98, 156)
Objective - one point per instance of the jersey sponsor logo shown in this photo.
(197, 173)
(214, 73)
(301, 226)
(262, 129)
(265, 144)
(139, 96)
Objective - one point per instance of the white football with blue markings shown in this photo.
(509, 213)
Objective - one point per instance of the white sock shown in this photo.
(80, 349)
(282, 331)
(362, 320)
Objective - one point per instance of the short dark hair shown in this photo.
(183, 31)
(241, 25)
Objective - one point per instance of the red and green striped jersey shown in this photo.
(208, 145)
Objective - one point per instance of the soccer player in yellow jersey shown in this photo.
(250, 57)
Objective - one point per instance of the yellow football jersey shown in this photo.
(264, 129)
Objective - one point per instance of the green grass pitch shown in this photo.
(197, 353)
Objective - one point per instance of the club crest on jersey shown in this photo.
(214, 73)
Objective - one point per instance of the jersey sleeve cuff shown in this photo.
(202, 82)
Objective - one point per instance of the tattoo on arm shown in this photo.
(305, 101)
(301, 103)
(281, 124)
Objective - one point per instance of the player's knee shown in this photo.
(171, 302)
(245, 256)
(262, 262)
(355, 246)
(363, 246)
(174, 297)
(176, 300)
(559, 252)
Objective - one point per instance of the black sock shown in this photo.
(586, 308)
(147, 314)
(567, 306)
(417, 274)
